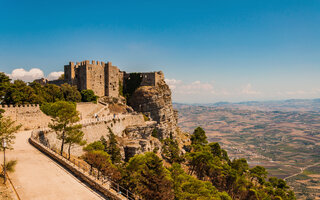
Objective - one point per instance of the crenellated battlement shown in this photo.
(86, 62)
(19, 105)
(28, 115)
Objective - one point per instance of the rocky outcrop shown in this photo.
(155, 102)
(139, 139)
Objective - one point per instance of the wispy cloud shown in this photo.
(196, 87)
(248, 90)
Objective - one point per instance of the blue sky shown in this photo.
(226, 50)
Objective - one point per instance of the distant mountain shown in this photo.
(282, 105)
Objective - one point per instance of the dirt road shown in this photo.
(37, 177)
(301, 170)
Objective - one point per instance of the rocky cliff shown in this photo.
(155, 102)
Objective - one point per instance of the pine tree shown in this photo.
(199, 137)
(64, 115)
(113, 150)
(8, 130)
(74, 136)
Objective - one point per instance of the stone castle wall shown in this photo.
(103, 78)
(95, 78)
(151, 78)
(29, 116)
(93, 131)
(113, 76)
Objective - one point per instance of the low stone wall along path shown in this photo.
(37, 177)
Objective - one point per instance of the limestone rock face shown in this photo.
(155, 102)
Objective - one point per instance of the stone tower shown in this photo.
(102, 78)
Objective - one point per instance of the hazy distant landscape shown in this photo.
(283, 136)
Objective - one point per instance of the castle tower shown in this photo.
(112, 74)
(69, 73)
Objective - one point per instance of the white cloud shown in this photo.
(172, 83)
(32, 74)
(54, 75)
(196, 87)
(27, 76)
(249, 90)
(206, 92)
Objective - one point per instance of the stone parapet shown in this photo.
(19, 105)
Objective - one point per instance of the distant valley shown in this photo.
(283, 136)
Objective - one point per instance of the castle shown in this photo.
(103, 78)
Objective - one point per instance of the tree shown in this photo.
(188, 187)
(88, 96)
(19, 93)
(64, 115)
(113, 149)
(4, 78)
(4, 84)
(101, 161)
(199, 162)
(94, 146)
(40, 92)
(7, 131)
(61, 77)
(260, 173)
(216, 150)
(146, 175)
(240, 165)
(104, 143)
(53, 93)
(199, 137)
(74, 135)
(171, 151)
(70, 93)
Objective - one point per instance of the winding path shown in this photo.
(301, 170)
(37, 177)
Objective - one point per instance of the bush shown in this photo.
(88, 96)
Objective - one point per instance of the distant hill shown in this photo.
(278, 105)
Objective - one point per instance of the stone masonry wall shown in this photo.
(113, 76)
(29, 116)
(96, 78)
(94, 131)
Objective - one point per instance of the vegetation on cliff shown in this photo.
(203, 172)
(211, 163)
